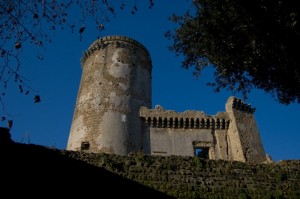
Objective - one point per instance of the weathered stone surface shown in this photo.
(243, 135)
(115, 83)
(113, 112)
(34, 169)
(193, 177)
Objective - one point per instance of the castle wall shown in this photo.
(221, 147)
(230, 135)
(169, 141)
(113, 115)
(115, 83)
(243, 135)
(173, 133)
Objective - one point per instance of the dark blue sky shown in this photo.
(56, 79)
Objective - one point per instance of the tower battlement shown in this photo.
(113, 112)
(118, 40)
(189, 119)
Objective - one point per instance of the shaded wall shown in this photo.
(115, 83)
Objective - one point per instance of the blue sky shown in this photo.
(56, 79)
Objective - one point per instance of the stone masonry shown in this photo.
(115, 83)
(113, 112)
(230, 135)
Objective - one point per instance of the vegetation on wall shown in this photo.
(138, 175)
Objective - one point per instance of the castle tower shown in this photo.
(115, 83)
(245, 144)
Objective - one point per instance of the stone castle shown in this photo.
(113, 112)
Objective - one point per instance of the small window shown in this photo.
(85, 145)
(202, 152)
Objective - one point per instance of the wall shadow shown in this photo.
(36, 171)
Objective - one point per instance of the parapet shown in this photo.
(238, 104)
(104, 41)
(190, 119)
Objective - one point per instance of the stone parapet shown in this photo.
(240, 105)
(104, 41)
(189, 119)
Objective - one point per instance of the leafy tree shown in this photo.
(34, 22)
(251, 44)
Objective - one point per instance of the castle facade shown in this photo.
(113, 112)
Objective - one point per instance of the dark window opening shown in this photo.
(202, 152)
(85, 145)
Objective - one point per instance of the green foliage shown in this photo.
(196, 195)
(278, 194)
(249, 43)
(171, 166)
(268, 196)
(109, 163)
(143, 159)
(242, 195)
(280, 177)
(200, 163)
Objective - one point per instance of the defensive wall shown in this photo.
(36, 170)
(194, 177)
(113, 112)
(230, 135)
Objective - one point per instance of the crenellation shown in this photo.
(239, 105)
(186, 123)
(113, 112)
(118, 41)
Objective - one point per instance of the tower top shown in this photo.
(103, 41)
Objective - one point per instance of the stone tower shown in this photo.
(115, 83)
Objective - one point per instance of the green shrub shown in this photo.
(171, 167)
(199, 163)
(280, 177)
(242, 195)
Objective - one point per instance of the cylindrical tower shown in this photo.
(115, 83)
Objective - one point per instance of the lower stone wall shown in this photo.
(192, 177)
(32, 170)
